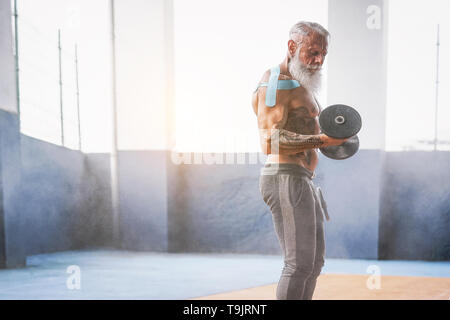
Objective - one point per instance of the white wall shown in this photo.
(141, 77)
(222, 48)
(412, 74)
(7, 74)
(357, 64)
(86, 23)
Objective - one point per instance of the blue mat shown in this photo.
(111, 274)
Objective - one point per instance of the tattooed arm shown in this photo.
(276, 140)
(281, 141)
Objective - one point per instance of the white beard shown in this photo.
(309, 77)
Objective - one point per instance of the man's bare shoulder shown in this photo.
(261, 92)
(283, 96)
(266, 75)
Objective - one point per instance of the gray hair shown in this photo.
(305, 28)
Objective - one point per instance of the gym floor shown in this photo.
(112, 274)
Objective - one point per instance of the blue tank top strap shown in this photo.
(274, 84)
(282, 84)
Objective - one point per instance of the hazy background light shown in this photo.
(412, 74)
(221, 49)
(83, 22)
(140, 75)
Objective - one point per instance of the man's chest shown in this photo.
(303, 104)
(302, 114)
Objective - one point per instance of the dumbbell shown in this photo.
(340, 121)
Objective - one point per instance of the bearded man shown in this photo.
(287, 110)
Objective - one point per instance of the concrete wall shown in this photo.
(63, 202)
(96, 191)
(218, 208)
(51, 198)
(415, 206)
(12, 252)
(65, 198)
(351, 189)
(143, 200)
(7, 64)
(399, 210)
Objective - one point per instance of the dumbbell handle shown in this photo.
(329, 141)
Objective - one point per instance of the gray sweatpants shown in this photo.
(297, 212)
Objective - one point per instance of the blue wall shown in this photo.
(382, 205)
(351, 189)
(51, 198)
(143, 200)
(218, 208)
(12, 252)
(415, 206)
(64, 202)
(65, 198)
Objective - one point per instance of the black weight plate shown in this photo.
(340, 121)
(344, 151)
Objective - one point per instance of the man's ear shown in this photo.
(292, 47)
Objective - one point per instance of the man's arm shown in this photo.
(284, 142)
(276, 140)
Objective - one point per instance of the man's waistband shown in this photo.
(286, 168)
